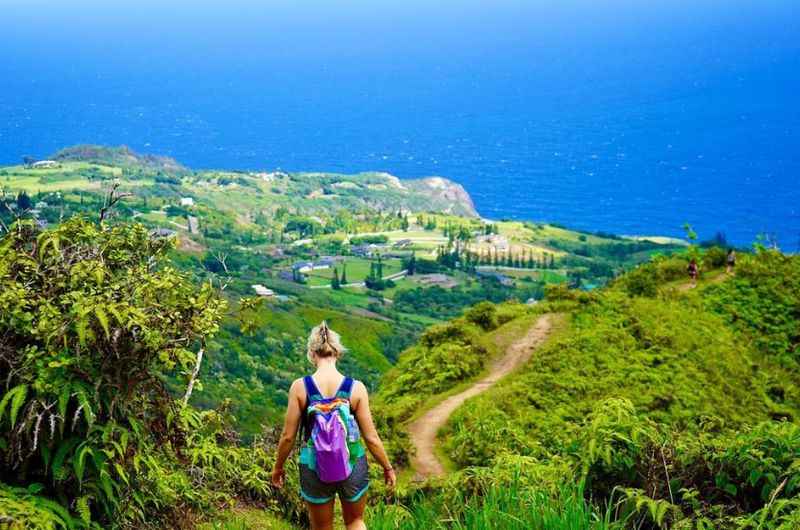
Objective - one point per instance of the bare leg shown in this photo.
(354, 514)
(321, 515)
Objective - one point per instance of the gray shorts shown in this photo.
(313, 490)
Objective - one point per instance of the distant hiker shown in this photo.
(731, 261)
(693, 271)
(333, 432)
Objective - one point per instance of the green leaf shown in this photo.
(61, 455)
(102, 317)
(8, 397)
(17, 402)
(35, 488)
(87, 407)
(46, 454)
(79, 463)
(108, 486)
(82, 507)
(63, 402)
(81, 327)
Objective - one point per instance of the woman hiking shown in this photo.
(693, 270)
(332, 413)
(730, 261)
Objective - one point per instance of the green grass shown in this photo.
(545, 275)
(425, 240)
(67, 177)
(357, 270)
(247, 519)
(507, 507)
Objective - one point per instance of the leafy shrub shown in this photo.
(646, 279)
(561, 292)
(754, 466)
(715, 257)
(91, 320)
(21, 508)
(374, 239)
(763, 302)
(641, 282)
(483, 315)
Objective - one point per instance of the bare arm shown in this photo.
(369, 433)
(290, 426)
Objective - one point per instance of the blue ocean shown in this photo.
(622, 116)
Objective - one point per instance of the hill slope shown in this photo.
(682, 402)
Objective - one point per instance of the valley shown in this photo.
(378, 257)
(522, 375)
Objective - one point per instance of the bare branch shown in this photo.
(222, 257)
(195, 373)
(112, 198)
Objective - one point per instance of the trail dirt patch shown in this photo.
(423, 430)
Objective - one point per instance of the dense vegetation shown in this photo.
(92, 321)
(652, 405)
(240, 229)
(670, 407)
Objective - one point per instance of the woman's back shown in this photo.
(334, 412)
(328, 381)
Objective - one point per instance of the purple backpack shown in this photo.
(330, 425)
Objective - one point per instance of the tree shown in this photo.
(335, 283)
(303, 226)
(93, 320)
(379, 268)
(691, 235)
(24, 202)
(343, 280)
(411, 264)
(374, 280)
(28, 161)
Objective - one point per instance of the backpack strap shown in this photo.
(347, 386)
(311, 389)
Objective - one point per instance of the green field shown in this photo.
(357, 270)
(545, 275)
(70, 176)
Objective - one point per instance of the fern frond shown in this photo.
(11, 397)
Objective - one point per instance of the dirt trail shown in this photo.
(715, 278)
(423, 430)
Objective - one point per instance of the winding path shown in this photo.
(709, 279)
(423, 430)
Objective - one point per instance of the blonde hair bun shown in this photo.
(324, 342)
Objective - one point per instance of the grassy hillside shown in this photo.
(653, 406)
(678, 407)
(706, 375)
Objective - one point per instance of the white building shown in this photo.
(499, 242)
(45, 164)
(263, 291)
(187, 201)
